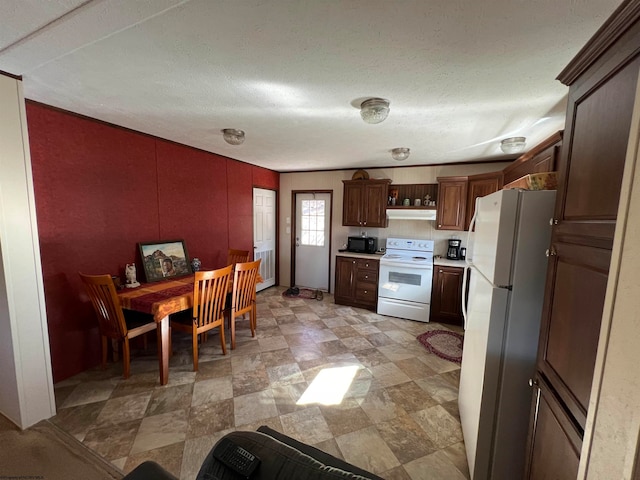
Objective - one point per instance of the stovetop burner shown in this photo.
(408, 251)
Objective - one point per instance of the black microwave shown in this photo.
(362, 244)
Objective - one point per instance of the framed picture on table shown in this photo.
(165, 259)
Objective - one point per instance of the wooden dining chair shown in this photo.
(243, 296)
(237, 256)
(209, 301)
(112, 321)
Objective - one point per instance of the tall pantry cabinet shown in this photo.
(602, 80)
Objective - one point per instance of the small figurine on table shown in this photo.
(130, 274)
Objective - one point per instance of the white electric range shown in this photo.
(406, 272)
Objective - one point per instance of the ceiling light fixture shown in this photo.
(374, 110)
(233, 136)
(400, 153)
(513, 144)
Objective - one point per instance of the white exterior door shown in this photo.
(313, 211)
(264, 235)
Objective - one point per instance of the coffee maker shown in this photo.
(453, 252)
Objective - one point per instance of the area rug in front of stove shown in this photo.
(443, 343)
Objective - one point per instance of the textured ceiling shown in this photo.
(460, 74)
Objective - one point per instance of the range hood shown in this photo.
(411, 214)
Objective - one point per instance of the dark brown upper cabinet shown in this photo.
(480, 186)
(541, 158)
(452, 203)
(365, 203)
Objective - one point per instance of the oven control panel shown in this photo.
(410, 244)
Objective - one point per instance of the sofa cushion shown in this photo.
(316, 453)
(278, 460)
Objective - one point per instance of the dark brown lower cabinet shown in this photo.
(446, 295)
(357, 282)
(555, 442)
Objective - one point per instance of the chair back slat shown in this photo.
(209, 295)
(106, 304)
(237, 256)
(244, 284)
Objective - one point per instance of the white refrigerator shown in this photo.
(507, 267)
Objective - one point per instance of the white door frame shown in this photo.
(268, 272)
(293, 232)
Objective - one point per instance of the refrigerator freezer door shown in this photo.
(533, 234)
(496, 217)
(480, 370)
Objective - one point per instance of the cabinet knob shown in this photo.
(365, 223)
(366, 291)
(439, 271)
(354, 262)
(533, 383)
(366, 276)
(366, 264)
(553, 221)
(550, 252)
(439, 225)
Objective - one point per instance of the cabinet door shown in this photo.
(572, 312)
(352, 204)
(591, 167)
(375, 204)
(480, 186)
(345, 280)
(446, 296)
(545, 161)
(554, 445)
(452, 204)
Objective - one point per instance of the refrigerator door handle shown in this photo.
(465, 288)
(472, 225)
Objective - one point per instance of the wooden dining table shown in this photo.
(162, 299)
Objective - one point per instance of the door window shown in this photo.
(312, 231)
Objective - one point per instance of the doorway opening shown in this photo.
(311, 238)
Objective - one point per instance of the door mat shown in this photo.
(443, 343)
(299, 293)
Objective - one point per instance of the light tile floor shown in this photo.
(398, 418)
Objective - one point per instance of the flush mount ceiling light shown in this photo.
(400, 153)
(233, 136)
(513, 144)
(374, 110)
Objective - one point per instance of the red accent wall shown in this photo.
(100, 190)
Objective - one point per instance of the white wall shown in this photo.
(26, 382)
(400, 228)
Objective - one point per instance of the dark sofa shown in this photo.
(282, 457)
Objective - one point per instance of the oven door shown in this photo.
(400, 281)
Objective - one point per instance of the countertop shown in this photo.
(445, 262)
(372, 256)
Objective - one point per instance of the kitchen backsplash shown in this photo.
(413, 229)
